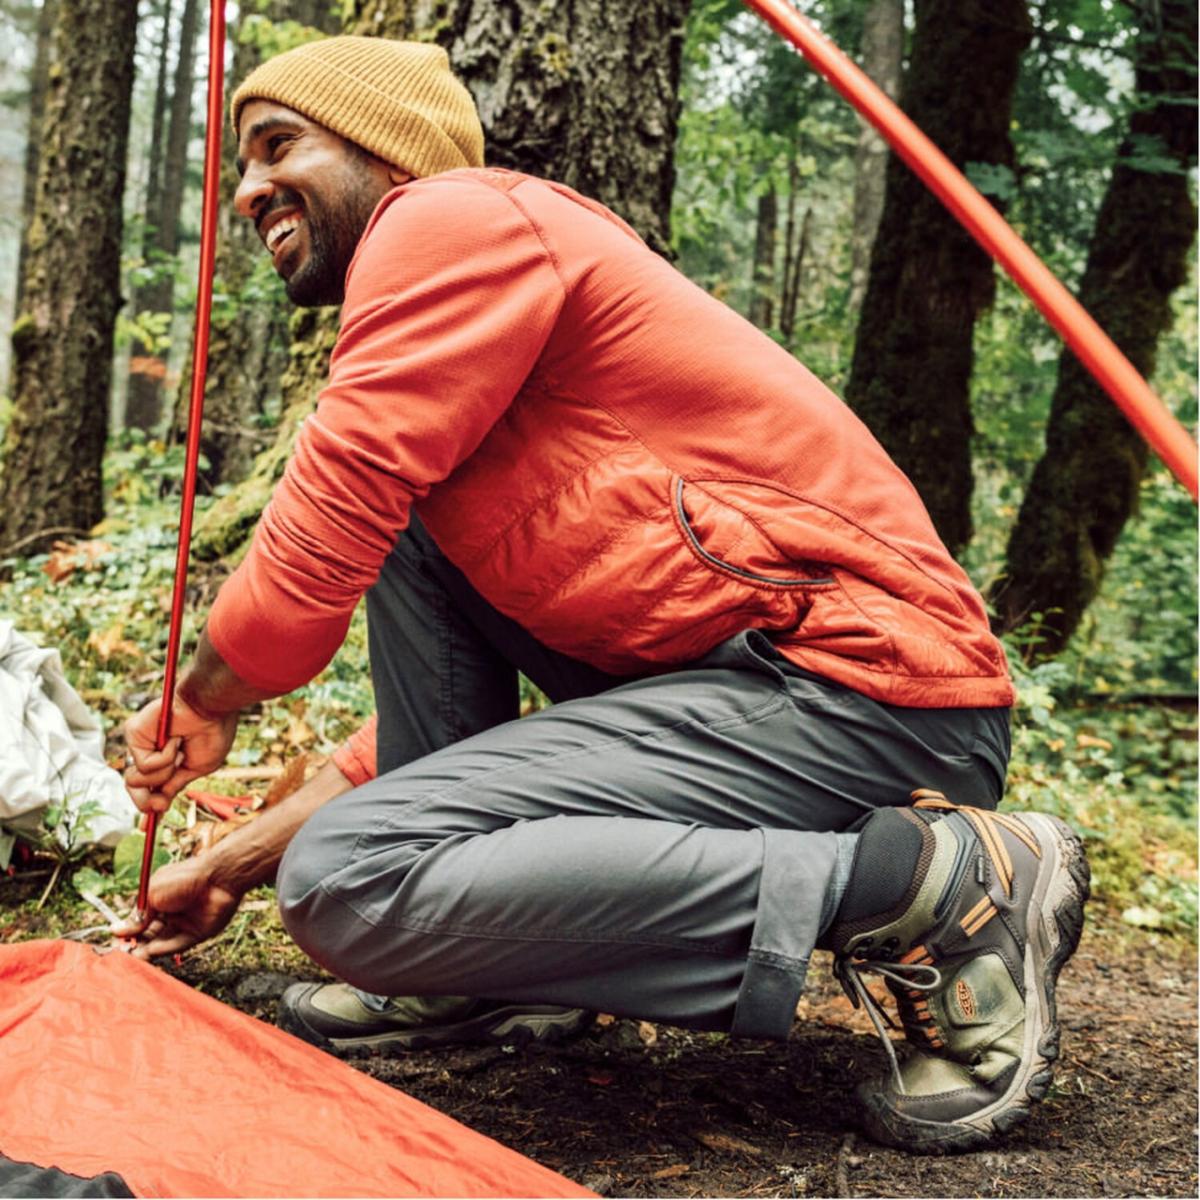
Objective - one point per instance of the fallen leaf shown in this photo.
(298, 733)
(1085, 741)
(672, 1172)
(287, 783)
(68, 557)
(599, 1078)
(110, 641)
(647, 1033)
(604, 1020)
(723, 1142)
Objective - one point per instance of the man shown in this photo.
(541, 447)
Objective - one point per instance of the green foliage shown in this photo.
(754, 116)
(126, 867)
(1124, 775)
(151, 331)
(274, 37)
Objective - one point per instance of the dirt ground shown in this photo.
(634, 1110)
(630, 1109)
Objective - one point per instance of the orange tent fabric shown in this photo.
(108, 1064)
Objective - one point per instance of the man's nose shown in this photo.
(252, 193)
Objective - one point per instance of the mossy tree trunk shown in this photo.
(50, 467)
(584, 94)
(911, 373)
(249, 328)
(144, 401)
(1085, 486)
(33, 138)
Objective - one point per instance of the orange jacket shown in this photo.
(613, 458)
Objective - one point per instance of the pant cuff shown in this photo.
(796, 873)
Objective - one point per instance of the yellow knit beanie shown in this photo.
(398, 100)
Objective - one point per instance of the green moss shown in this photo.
(554, 54)
(24, 334)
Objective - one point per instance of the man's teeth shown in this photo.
(280, 230)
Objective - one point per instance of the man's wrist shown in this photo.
(212, 689)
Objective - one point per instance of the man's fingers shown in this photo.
(170, 942)
(148, 801)
(132, 926)
(149, 761)
(148, 779)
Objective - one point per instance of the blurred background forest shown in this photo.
(728, 153)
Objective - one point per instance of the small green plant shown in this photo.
(62, 838)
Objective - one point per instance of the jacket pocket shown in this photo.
(727, 539)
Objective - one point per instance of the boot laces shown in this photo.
(910, 982)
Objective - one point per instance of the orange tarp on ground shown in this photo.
(108, 1064)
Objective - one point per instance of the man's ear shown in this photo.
(397, 176)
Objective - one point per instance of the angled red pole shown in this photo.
(208, 244)
(1091, 345)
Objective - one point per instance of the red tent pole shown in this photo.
(208, 243)
(1091, 345)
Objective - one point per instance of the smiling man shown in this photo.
(540, 447)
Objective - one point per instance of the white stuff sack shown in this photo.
(52, 748)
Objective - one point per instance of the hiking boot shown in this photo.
(344, 1021)
(971, 948)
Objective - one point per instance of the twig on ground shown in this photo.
(842, 1177)
(58, 866)
(53, 531)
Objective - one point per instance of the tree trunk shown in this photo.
(1085, 486)
(583, 94)
(143, 405)
(793, 271)
(762, 297)
(33, 138)
(152, 206)
(883, 61)
(911, 373)
(62, 337)
(248, 339)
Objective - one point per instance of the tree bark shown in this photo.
(62, 337)
(143, 405)
(583, 94)
(762, 297)
(911, 372)
(1085, 486)
(33, 138)
(152, 206)
(883, 61)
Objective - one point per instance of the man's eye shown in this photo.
(274, 143)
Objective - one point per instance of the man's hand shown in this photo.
(185, 907)
(198, 745)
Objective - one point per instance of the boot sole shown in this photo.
(515, 1026)
(1054, 923)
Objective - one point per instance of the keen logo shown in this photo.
(966, 999)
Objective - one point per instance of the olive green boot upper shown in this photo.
(971, 950)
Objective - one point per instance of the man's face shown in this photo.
(309, 193)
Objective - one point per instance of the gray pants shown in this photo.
(668, 847)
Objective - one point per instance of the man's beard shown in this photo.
(334, 231)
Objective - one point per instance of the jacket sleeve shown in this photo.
(450, 300)
(355, 757)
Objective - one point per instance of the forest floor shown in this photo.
(630, 1109)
